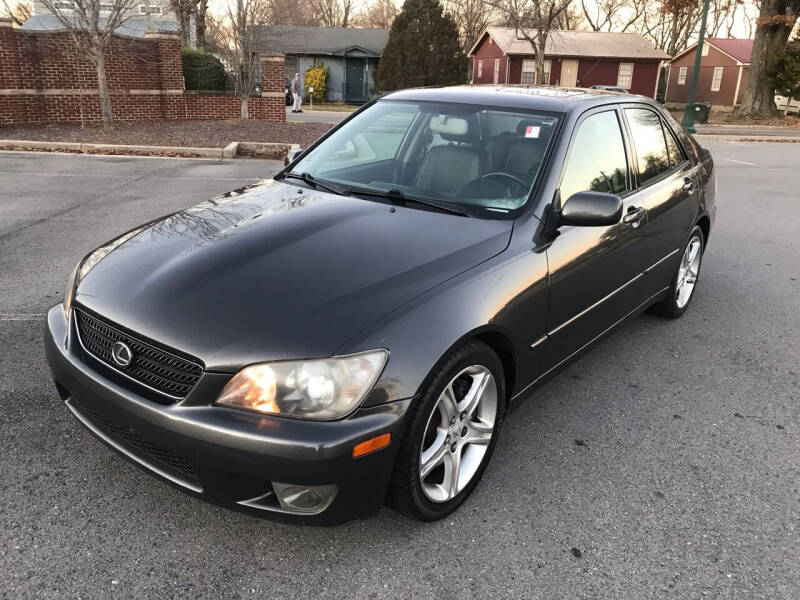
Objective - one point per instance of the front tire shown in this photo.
(451, 434)
(684, 282)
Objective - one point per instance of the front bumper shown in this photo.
(223, 455)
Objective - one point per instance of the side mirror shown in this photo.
(591, 209)
(291, 156)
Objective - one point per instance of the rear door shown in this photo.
(667, 187)
(594, 271)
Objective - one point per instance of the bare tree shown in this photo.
(91, 24)
(533, 21)
(236, 40)
(571, 19)
(380, 14)
(289, 12)
(472, 17)
(334, 13)
(19, 12)
(613, 15)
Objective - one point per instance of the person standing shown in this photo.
(296, 87)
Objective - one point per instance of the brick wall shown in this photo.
(44, 80)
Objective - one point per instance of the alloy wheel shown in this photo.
(458, 432)
(688, 271)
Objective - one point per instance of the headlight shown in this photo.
(70, 292)
(322, 389)
(90, 261)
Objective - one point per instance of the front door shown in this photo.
(569, 72)
(595, 272)
(667, 184)
(354, 91)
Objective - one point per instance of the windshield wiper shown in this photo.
(309, 179)
(396, 196)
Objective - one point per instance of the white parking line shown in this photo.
(741, 162)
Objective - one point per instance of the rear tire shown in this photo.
(451, 434)
(681, 290)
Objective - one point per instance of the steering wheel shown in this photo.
(513, 178)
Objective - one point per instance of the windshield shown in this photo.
(453, 154)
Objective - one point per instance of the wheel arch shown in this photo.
(704, 223)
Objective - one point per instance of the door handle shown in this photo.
(689, 185)
(634, 216)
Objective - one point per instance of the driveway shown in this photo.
(664, 464)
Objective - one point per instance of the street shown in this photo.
(315, 116)
(664, 464)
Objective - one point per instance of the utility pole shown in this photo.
(688, 114)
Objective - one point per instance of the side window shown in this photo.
(648, 138)
(676, 155)
(596, 161)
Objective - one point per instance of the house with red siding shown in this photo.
(572, 59)
(724, 71)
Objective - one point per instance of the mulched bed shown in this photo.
(204, 134)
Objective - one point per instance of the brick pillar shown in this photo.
(273, 86)
(170, 64)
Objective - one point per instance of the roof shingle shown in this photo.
(291, 39)
(595, 44)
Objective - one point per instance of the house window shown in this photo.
(480, 67)
(625, 75)
(716, 80)
(149, 10)
(529, 71)
(704, 51)
(496, 74)
(64, 5)
(682, 75)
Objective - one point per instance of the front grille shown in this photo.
(149, 454)
(152, 366)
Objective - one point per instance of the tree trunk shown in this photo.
(759, 97)
(541, 43)
(245, 113)
(200, 23)
(102, 87)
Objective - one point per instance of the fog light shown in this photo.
(310, 499)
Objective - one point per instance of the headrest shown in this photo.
(449, 127)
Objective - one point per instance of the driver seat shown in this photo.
(447, 167)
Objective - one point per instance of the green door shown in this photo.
(354, 89)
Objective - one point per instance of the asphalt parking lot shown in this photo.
(662, 465)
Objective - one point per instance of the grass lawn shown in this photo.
(330, 106)
(730, 118)
(203, 134)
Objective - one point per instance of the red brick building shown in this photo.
(724, 71)
(572, 59)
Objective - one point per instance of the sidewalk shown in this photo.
(748, 130)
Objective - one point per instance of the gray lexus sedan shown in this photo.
(356, 329)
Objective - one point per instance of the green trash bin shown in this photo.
(700, 111)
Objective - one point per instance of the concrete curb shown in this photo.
(746, 138)
(111, 149)
(277, 151)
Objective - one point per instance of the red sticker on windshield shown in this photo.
(532, 131)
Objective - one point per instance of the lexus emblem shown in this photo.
(121, 353)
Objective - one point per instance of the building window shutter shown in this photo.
(682, 75)
(496, 74)
(480, 67)
(716, 80)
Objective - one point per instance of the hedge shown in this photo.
(202, 70)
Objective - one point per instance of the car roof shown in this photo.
(550, 99)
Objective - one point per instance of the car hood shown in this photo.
(275, 271)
